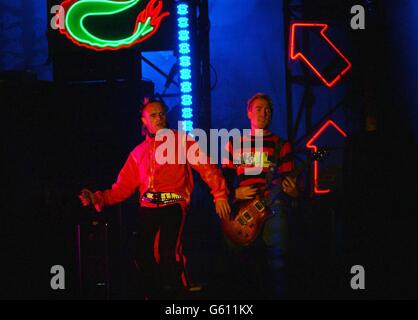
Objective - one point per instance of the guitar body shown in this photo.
(248, 216)
(247, 220)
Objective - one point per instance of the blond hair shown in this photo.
(260, 95)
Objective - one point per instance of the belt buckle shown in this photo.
(150, 197)
(161, 197)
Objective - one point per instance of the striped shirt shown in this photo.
(245, 157)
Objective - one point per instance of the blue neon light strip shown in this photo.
(185, 63)
(185, 74)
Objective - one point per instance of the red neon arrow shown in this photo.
(310, 144)
(295, 54)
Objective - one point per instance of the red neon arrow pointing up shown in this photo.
(294, 54)
(310, 144)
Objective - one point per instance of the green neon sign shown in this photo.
(147, 22)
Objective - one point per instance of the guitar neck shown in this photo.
(278, 189)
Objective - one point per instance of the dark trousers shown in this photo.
(159, 254)
(258, 271)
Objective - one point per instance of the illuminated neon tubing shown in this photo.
(314, 148)
(147, 22)
(294, 56)
(185, 62)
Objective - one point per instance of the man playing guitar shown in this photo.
(259, 266)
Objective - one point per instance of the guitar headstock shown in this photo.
(319, 154)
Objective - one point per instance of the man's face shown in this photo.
(154, 117)
(259, 114)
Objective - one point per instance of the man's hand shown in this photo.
(222, 209)
(289, 187)
(245, 193)
(86, 197)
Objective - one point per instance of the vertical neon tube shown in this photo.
(185, 65)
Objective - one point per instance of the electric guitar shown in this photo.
(248, 216)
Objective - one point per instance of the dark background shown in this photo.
(58, 138)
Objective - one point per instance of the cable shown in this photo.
(216, 77)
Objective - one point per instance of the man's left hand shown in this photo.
(222, 208)
(289, 187)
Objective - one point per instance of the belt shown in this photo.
(161, 197)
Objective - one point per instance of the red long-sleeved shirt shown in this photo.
(141, 170)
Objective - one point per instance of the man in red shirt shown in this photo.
(165, 191)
